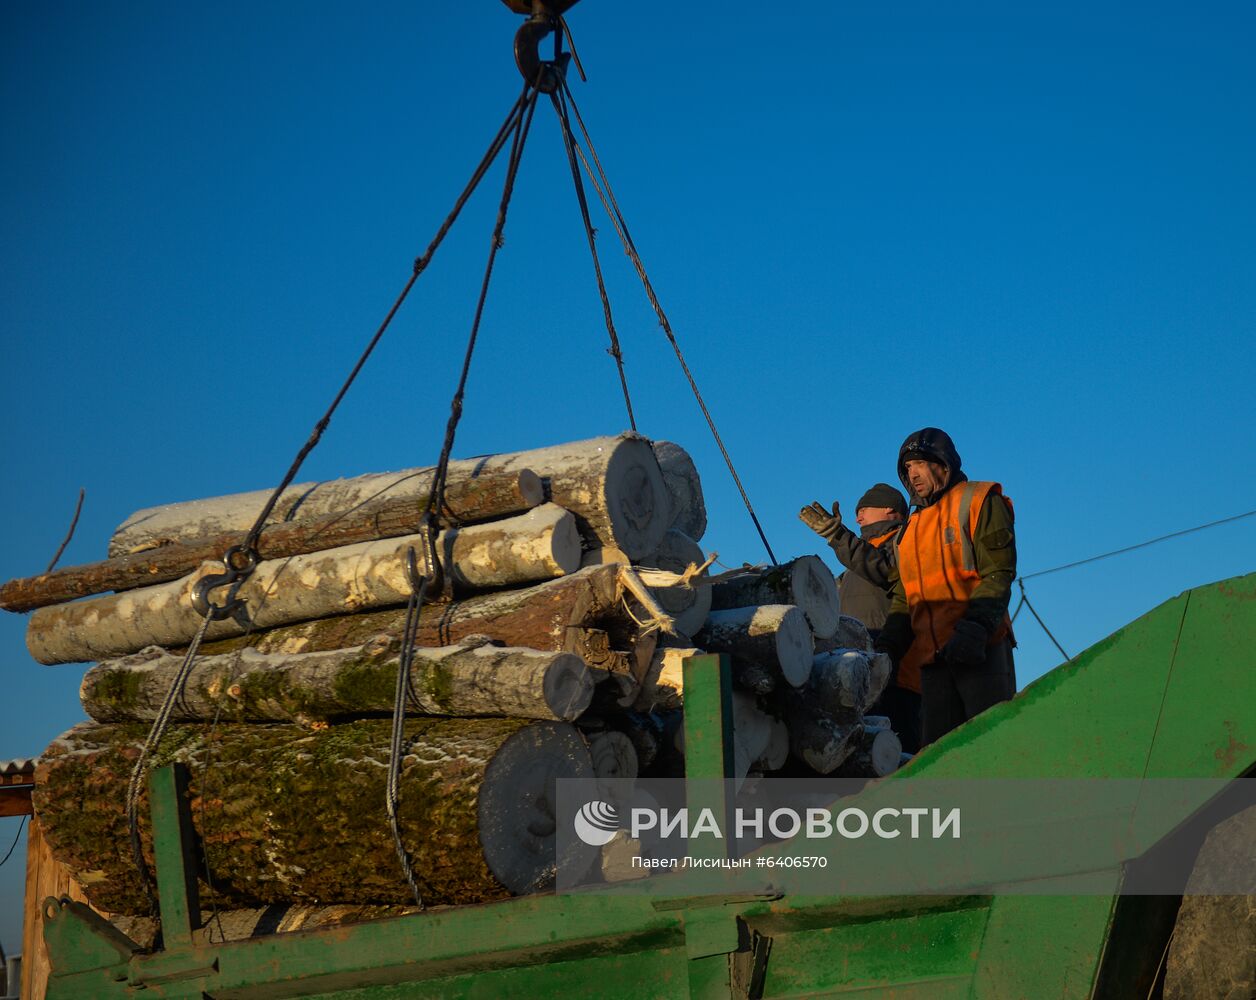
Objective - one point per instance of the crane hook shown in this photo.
(545, 17)
(240, 561)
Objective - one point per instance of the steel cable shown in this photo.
(419, 584)
(560, 107)
(621, 228)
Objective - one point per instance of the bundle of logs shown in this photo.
(570, 588)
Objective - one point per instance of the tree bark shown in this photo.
(468, 500)
(771, 642)
(549, 616)
(291, 816)
(684, 487)
(465, 680)
(612, 484)
(687, 605)
(805, 582)
(541, 543)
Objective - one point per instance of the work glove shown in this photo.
(819, 520)
(967, 647)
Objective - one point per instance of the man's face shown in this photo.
(926, 478)
(871, 515)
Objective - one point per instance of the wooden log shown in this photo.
(776, 753)
(468, 499)
(772, 641)
(539, 544)
(687, 605)
(877, 753)
(552, 615)
(469, 679)
(879, 668)
(285, 815)
(752, 733)
(805, 582)
(840, 683)
(663, 686)
(850, 634)
(646, 733)
(684, 487)
(816, 739)
(614, 756)
(612, 484)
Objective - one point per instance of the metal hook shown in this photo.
(240, 561)
(546, 15)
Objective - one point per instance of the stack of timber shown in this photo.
(572, 586)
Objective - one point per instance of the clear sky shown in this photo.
(1031, 225)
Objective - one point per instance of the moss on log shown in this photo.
(289, 816)
(247, 686)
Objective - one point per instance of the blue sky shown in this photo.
(1031, 226)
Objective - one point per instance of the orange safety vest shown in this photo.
(938, 568)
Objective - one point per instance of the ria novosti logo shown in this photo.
(597, 823)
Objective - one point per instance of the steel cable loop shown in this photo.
(436, 498)
(621, 228)
(560, 107)
(175, 693)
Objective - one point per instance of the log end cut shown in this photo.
(517, 806)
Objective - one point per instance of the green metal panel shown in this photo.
(174, 853)
(652, 975)
(932, 953)
(1093, 717)
(1207, 725)
(1043, 946)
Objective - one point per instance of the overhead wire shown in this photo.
(614, 350)
(1026, 603)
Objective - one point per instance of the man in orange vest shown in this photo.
(865, 587)
(948, 629)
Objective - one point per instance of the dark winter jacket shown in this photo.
(865, 587)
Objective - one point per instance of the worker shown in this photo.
(865, 587)
(948, 625)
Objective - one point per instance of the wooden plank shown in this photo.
(44, 878)
(16, 801)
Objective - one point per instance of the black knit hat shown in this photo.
(884, 495)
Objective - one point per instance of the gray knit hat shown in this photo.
(884, 495)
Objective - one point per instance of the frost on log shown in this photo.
(533, 546)
(613, 485)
